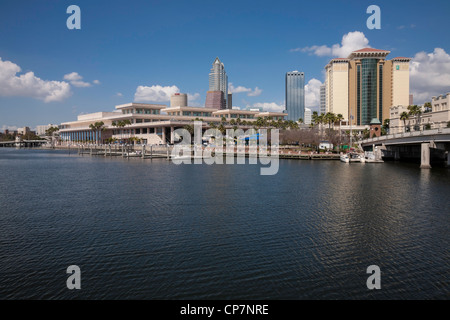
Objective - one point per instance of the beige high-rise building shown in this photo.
(365, 85)
(336, 85)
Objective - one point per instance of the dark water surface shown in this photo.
(148, 229)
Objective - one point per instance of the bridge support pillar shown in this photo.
(396, 153)
(425, 156)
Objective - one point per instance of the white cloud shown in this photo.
(75, 80)
(80, 84)
(350, 42)
(28, 85)
(256, 92)
(429, 75)
(154, 93)
(312, 93)
(194, 96)
(74, 76)
(268, 106)
(251, 93)
(119, 94)
(96, 82)
(10, 128)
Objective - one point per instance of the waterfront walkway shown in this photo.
(165, 151)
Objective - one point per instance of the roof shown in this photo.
(370, 50)
(375, 121)
(401, 58)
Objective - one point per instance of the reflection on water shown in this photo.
(148, 229)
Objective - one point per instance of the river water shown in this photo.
(149, 229)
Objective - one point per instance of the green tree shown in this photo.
(404, 116)
(50, 131)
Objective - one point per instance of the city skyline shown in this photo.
(70, 72)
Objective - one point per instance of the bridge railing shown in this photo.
(430, 132)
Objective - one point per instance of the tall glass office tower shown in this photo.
(218, 80)
(295, 95)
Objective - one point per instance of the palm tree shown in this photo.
(213, 125)
(386, 124)
(121, 124)
(96, 128)
(315, 117)
(222, 129)
(189, 128)
(339, 117)
(415, 111)
(404, 116)
(427, 106)
(300, 120)
(320, 121)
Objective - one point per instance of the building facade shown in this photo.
(40, 130)
(366, 85)
(295, 95)
(218, 80)
(438, 118)
(336, 86)
(153, 123)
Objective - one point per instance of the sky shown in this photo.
(143, 51)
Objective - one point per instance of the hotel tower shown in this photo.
(365, 85)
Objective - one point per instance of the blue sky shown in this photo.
(161, 44)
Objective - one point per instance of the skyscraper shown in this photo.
(295, 95)
(323, 99)
(218, 81)
(366, 85)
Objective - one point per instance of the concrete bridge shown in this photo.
(23, 143)
(428, 146)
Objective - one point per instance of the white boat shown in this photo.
(352, 157)
(370, 157)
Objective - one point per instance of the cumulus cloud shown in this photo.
(268, 106)
(119, 94)
(96, 82)
(155, 93)
(350, 42)
(312, 93)
(429, 75)
(76, 80)
(239, 89)
(28, 85)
